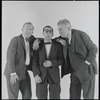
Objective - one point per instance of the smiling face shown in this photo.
(27, 30)
(48, 33)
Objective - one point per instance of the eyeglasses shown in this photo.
(50, 31)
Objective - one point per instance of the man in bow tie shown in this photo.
(48, 59)
(79, 53)
(19, 56)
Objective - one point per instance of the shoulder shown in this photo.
(31, 37)
(14, 42)
(79, 33)
(57, 38)
(15, 39)
(41, 44)
(56, 43)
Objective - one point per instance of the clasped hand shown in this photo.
(38, 79)
(47, 63)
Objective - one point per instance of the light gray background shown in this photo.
(83, 15)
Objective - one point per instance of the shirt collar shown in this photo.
(70, 36)
(23, 36)
(49, 41)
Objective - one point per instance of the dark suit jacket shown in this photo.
(84, 47)
(55, 57)
(16, 56)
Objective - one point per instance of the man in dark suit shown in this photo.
(79, 59)
(19, 56)
(46, 66)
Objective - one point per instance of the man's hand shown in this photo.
(36, 44)
(14, 78)
(63, 42)
(38, 79)
(47, 63)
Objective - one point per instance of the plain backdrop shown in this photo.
(83, 15)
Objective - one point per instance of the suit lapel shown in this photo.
(73, 41)
(22, 41)
(52, 49)
(42, 50)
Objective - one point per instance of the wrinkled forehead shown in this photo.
(63, 26)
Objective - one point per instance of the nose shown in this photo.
(28, 33)
(48, 33)
(28, 30)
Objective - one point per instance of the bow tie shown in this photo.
(47, 43)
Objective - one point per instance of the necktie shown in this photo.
(46, 43)
(27, 39)
(68, 58)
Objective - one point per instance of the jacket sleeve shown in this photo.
(59, 60)
(11, 55)
(91, 47)
(32, 39)
(35, 63)
(57, 38)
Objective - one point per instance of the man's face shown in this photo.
(47, 33)
(27, 30)
(64, 30)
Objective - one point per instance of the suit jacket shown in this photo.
(84, 47)
(55, 57)
(16, 56)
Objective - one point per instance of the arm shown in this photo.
(61, 40)
(92, 49)
(36, 43)
(11, 54)
(35, 67)
(35, 63)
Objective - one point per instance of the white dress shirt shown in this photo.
(27, 47)
(27, 61)
(48, 47)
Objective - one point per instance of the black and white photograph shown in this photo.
(50, 50)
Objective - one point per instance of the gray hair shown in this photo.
(28, 23)
(64, 21)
